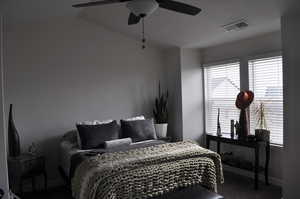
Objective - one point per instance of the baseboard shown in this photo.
(272, 180)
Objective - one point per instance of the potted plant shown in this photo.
(262, 133)
(160, 113)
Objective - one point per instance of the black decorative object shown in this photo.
(219, 132)
(243, 101)
(13, 136)
(237, 128)
(232, 129)
(244, 124)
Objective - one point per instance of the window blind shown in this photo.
(222, 84)
(265, 80)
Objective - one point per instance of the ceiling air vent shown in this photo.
(236, 26)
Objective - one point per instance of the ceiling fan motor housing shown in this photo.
(142, 8)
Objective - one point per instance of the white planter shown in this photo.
(161, 130)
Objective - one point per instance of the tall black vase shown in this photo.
(13, 136)
(1, 193)
(244, 124)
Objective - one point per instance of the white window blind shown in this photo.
(265, 80)
(222, 84)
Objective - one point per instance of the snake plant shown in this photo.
(160, 110)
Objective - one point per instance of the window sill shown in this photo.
(279, 146)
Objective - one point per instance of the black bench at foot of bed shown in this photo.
(194, 192)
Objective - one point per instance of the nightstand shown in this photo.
(27, 166)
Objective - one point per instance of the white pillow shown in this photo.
(141, 117)
(95, 122)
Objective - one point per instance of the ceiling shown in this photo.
(163, 27)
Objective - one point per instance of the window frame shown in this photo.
(215, 64)
(244, 77)
(268, 56)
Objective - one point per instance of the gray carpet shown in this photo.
(239, 187)
(235, 187)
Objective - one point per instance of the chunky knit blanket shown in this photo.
(147, 172)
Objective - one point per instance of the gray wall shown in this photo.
(3, 158)
(192, 94)
(243, 50)
(291, 71)
(172, 63)
(67, 70)
(185, 88)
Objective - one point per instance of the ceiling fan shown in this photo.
(141, 8)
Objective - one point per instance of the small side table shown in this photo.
(27, 166)
(255, 145)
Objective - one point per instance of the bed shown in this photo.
(69, 152)
(143, 169)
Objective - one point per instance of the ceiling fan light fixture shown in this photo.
(142, 7)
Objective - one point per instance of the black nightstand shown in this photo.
(27, 166)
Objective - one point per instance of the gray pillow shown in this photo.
(138, 130)
(94, 136)
(125, 142)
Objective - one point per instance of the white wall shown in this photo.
(192, 95)
(3, 158)
(67, 70)
(291, 82)
(244, 50)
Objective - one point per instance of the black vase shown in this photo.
(13, 136)
(244, 124)
(1, 193)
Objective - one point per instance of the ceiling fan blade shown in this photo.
(179, 7)
(98, 3)
(133, 19)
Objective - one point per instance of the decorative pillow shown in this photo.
(138, 130)
(94, 136)
(117, 143)
(95, 122)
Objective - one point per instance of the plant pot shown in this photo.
(262, 135)
(161, 130)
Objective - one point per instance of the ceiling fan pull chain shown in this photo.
(143, 39)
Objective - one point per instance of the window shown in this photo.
(265, 80)
(222, 84)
